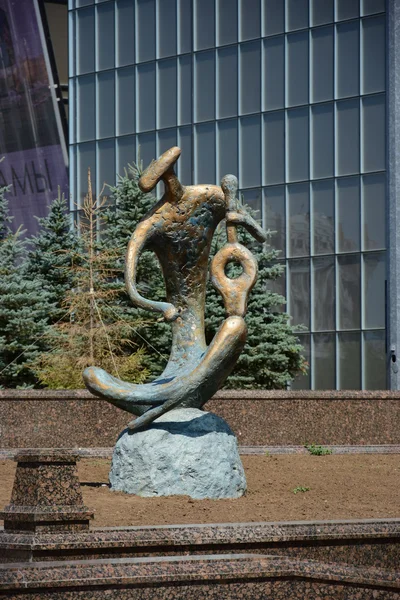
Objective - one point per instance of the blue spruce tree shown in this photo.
(25, 308)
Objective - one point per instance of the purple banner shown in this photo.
(31, 136)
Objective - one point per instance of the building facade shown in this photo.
(290, 95)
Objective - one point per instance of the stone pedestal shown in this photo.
(46, 496)
(185, 452)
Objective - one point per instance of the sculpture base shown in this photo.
(184, 452)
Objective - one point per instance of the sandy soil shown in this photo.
(341, 487)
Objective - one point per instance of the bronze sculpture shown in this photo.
(179, 229)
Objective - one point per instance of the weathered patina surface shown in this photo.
(179, 229)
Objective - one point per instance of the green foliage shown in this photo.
(97, 332)
(24, 309)
(317, 450)
(120, 221)
(54, 253)
(272, 355)
(301, 489)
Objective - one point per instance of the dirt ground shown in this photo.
(341, 487)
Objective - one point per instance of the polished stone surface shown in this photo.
(185, 452)
(373, 543)
(228, 576)
(46, 494)
(75, 418)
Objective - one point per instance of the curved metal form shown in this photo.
(179, 229)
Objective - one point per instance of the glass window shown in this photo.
(299, 292)
(374, 290)
(297, 147)
(83, 3)
(298, 219)
(349, 351)
(274, 17)
(125, 114)
(166, 27)
(126, 152)
(204, 24)
(105, 166)
(250, 19)
(146, 97)
(184, 26)
(373, 213)
(184, 165)
(145, 30)
(297, 68)
(324, 361)
(204, 94)
(303, 381)
(373, 55)
(296, 14)
(322, 154)
(250, 77)
(85, 41)
(146, 148)
(322, 64)
(347, 9)
(105, 54)
(185, 90)
(349, 291)
(227, 22)
(347, 137)
(250, 152)
(125, 49)
(323, 217)
(166, 93)
(227, 82)
(86, 94)
(321, 12)
(204, 153)
(274, 147)
(274, 73)
(105, 104)
(166, 139)
(323, 269)
(227, 132)
(374, 360)
(347, 74)
(348, 214)
(369, 7)
(373, 133)
(274, 217)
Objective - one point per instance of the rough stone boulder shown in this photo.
(184, 452)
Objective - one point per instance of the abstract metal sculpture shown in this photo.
(179, 229)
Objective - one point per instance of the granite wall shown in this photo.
(76, 419)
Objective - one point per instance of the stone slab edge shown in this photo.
(213, 533)
(160, 570)
(11, 453)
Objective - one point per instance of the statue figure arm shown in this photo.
(136, 244)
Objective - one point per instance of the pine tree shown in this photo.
(97, 334)
(24, 308)
(272, 354)
(55, 250)
(130, 205)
